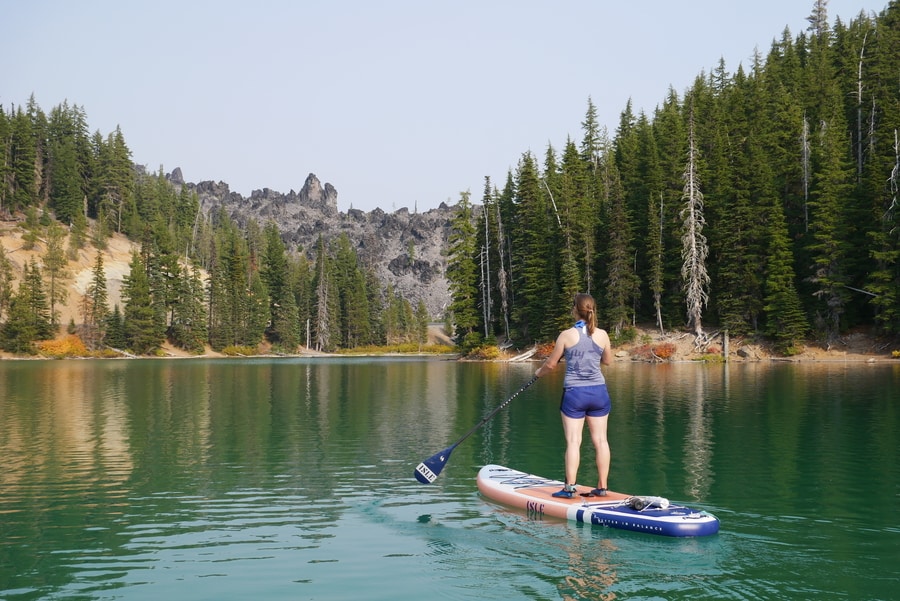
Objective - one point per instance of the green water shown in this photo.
(292, 479)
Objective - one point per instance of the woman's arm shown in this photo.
(552, 361)
(606, 358)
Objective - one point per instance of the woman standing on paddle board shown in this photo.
(584, 396)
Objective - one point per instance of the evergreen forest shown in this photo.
(763, 202)
(197, 280)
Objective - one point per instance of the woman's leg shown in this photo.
(597, 426)
(572, 429)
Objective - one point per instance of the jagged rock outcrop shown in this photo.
(404, 249)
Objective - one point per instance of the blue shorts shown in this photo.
(579, 401)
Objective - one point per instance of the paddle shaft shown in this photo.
(494, 412)
(427, 471)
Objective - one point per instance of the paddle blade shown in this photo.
(428, 471)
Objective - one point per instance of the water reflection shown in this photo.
(192, 478)
(698, 449)
(592, 572)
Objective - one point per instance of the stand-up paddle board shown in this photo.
(654, 515)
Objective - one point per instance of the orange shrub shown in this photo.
(68, 346)
(656, 352)
(543, 350)
(664, 350)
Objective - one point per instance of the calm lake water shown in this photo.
(293, 479)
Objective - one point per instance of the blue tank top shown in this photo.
(583, 361)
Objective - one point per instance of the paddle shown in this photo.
(428, 471)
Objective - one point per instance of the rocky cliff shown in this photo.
(405, 249)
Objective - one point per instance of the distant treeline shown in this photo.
(762, 201)
(198, 279)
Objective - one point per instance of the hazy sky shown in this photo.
(395, 103)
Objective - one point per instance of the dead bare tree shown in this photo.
(501, 275)
(694, 249)
(323, 319)
(805, 154)
(859, 104)
(485, 265)
(894, 182)
(656, 262)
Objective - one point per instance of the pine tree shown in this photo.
(118, 185)
(738, 170)
(115, 329)
(376, 302)
(587, 182)
(29, 314)
(326, 307)
(785, 320)
(492, 257)
(649, 225)
(6, 283)
(140, 321)
(881, 175)
(18, 332)
(258, 310)
(95, 309)
(283, 328)
(422, 320)
(560, 200)
(462, 273)
(579, 226)
(67, 138)
(55, 270)
(818, 19)
(671, 141)
(38, 302)
(350, 280)
(237, 305)
(535, 277)
(621, 281)
(188, 328)
(301, 284)
(5, 169)
(23, 161)
(828, 247)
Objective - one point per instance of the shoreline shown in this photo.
(862, 346)
(622, 356)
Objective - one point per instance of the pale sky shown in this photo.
(395, 103)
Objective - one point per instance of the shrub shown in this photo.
(543, 350)
(790, 350)
(240, 351)
(471, 341)
(655, 352)
(712, 358)
(68, 346)
(403, 347)
(664, 350)
(485, 352)
(626, 336)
